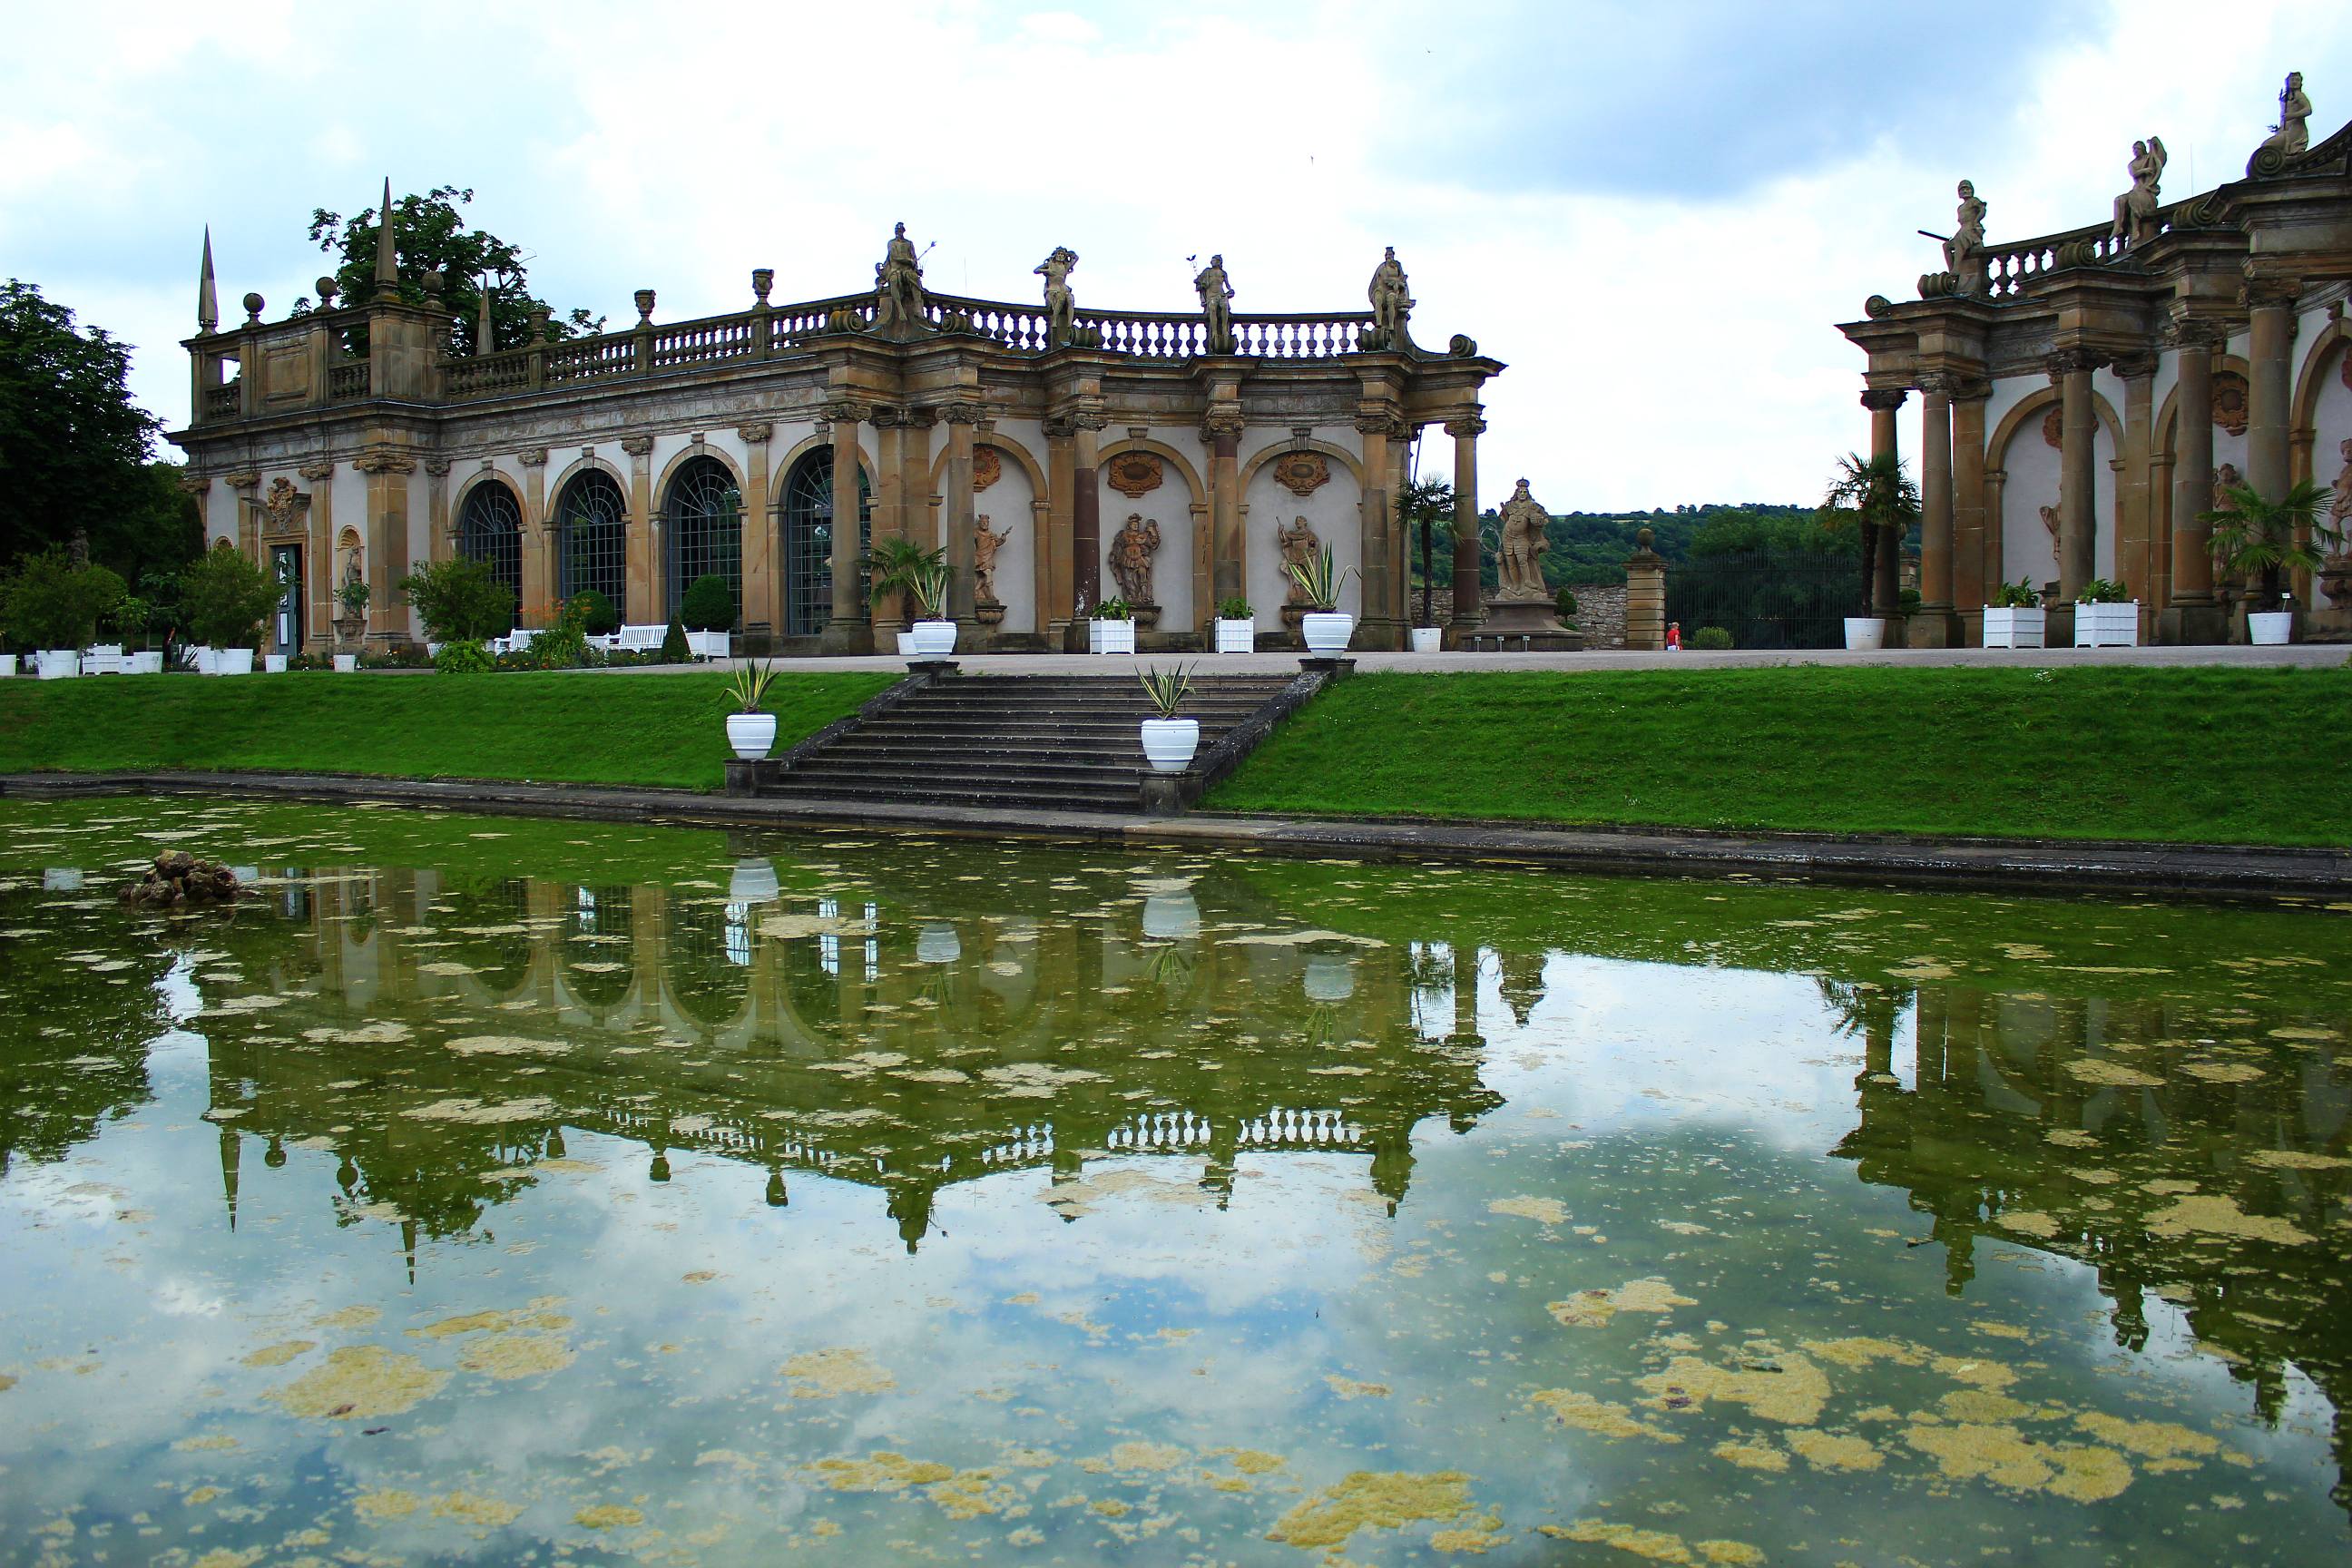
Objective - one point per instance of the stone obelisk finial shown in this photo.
(207, 296)
(387, 264)
(485, 341)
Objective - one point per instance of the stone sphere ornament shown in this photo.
(253, 303)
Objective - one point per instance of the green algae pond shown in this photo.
(517, 1191)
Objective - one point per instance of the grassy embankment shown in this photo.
(647, 730)
(2209, 755)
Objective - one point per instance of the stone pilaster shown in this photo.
(1055, 566)
(647, 602)
(1969, 511)
(2135, 546)
(848, 632)
(1221, 431)
(956, 511)
(320, 570)
(2071, 369)
(2193, 616)
(1933, 626)
(1465, 431)
(543, 575)
(2270, 309)
(1645, 597)
(1086, 513)
(762, 579)
(387, 470)
(1381, 625)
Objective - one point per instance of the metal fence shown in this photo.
(1766, 600)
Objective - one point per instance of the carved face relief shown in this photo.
(1134, 474)
(1302, 473)
(2230, 401)
(987, 466)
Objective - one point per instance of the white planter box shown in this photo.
(1864, 634)
(58, 663)
(2270, 628)
(2015, 626)
(1326, 632)
(1111, 636)
(752, 734)
(1169, 744)
(234, 661)
(2107, 626)
(1237, 636)
(204, 659)
(934, 639)
(906, 645)
(148, 663)
(273, 664)
(345, 663)
(8, 665)
(706, 644)
(1428, 639)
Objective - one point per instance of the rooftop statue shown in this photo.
(1964, 251)
(1059, 301)
(1216, 305)
(2291, 135)
(898, 285)
(2135, 208)
(1392, 299)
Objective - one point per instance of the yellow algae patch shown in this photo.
(1657, 1545)
(1110, 1508)
(1147, 1457)
(2295, 1160)
(968, 1494)
(881, 1471)
(2222, 1072)
(1253, 1462)
(1990, 1376)
(1349, 1388)
(505, 1046)
(1861, 1350)
(509, 1356)
(830, 1373)
(199, 1496)
(1832, 1451)
(1737, 1552)
(1550, 1211)
(223, 1557)
(360, 1381)
(470, 1507)
(534, 1108)
(383, 1507)
(1981, 1405)
(608, 1516)
(351, 1318)
(1591, 1309)
(2113, 1075)
(1586, 1413)
(1753, 1456)
(1478, 1541)
(2150, 1439)
(1369, 1499)
(2030, 1222)
(483, 1322)
(281, 1352)
(2210, 1215)
(1793, 1395)
(211, 1440)
(2005, 1456)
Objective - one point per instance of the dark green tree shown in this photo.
(1875, 492)
(1427, 506)
(429, 234)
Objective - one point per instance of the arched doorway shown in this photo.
(592, 539)
(806, 526)
(703, 518)
(489, 530)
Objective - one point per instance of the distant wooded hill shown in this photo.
(1589, 547)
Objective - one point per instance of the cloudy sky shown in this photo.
(1653, 213)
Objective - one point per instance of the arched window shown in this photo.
(704, 521)
(592, 539)
(808, 542)
(489, 530)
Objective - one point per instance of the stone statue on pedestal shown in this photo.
(2135, 208)
(2049, 520)
(1299, 546)
(1963, 252)
(1216, 304)
(1059, 301)
(2291, 135)
(1519, 556)
(1132, 549)
(2335, 573)
(899, 285)
(986, 543)
(2225, 479)
(1391, 301)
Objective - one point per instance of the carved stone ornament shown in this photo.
(195, 484)
(752, 434)
(314, 472)
(636, 445)
(987, 468)
(438, 467)
(1134, 474)
(283, 505)
(2053, 427)
(384, 460)
(2230, 401)
(246, 480)
(532, 457)
(1302, 473)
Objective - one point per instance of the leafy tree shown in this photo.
(2271, 538)
(429, 234)
(55, 602)
(1881, 498)
(459, 600)
(225, 596)
(76, 454)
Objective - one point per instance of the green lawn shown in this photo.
(2249, 756)
(650, 730)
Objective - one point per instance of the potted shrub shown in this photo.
(2015, 617)
(1325, 627)
(225, 598)
(351, 626)
(895, 562)
(2103, 617)
(1236, 630)
(935, 635)
(1877, 494)
(751, 729)
(53, 605)
(2267, 540)
(1169, 741)
(1111, 627)
(707, 609)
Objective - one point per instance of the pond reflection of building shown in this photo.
(960, 1042)
(1972, 1142)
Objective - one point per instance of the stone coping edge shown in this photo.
(2196, 872)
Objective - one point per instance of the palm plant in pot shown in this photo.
(935, 635)
(1169, 741)
(1325, 627)
(1875, 492)
(751, 729)
(2267, 540)
(895, 562)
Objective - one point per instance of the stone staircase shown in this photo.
(1054, 742)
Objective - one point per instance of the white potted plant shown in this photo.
(1169, 741)
(1325, 627)
(1428, 639)
(1111, 627)
(225, 597)
(1237, 629)
(2015, 618)
(894, 563)
(935, 635)
(2267, 540)
(751, 729)
(2103, 617)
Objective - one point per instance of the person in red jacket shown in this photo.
(1673, 636)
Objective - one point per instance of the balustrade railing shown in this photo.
(590, 359)
(224, 401)
(487, 375)
(709, 341)
(347, 382)
(2010, 267)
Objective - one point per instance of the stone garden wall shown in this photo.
(1601, 615)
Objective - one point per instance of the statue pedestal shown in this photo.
(1147, 615)
(989, 612)
(1533, 624)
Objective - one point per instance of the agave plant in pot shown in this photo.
(896, 563)
(1325, 627)
(935, 635)
(751, 729)
(2266, 541)
(1169, 741)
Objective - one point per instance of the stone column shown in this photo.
(888, 615)
(1057, 569)
(1379, 627)
(1968, 510)
(763, 580)
(1932, 626)
(2270, 304)
(1221, 432)
(387, 470)
(642, 552)
(323, 572)
(1645, 597)
(440, 528)
(1996, 483)
(542, 588)
(2135, 548)
(1086, 514)
(847, 631)
(2193, 616)
(2078, 475)
(957, 513)
(1466, 432)
(1887, 573)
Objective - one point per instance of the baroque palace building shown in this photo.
(1060, 455)
(2084, 394)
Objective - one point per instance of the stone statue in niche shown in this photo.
(2049, 520)
(2291, 135)
(2336, 573)
(1392, 299)
(1132, 549)
(1059, 301)
(1519, 555)
(1216, 293)
(1299, 546)
(2225, 479)
(1964, 251)
(987, 608)
(2340, 514)
(898, 285)
(2135, 208)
